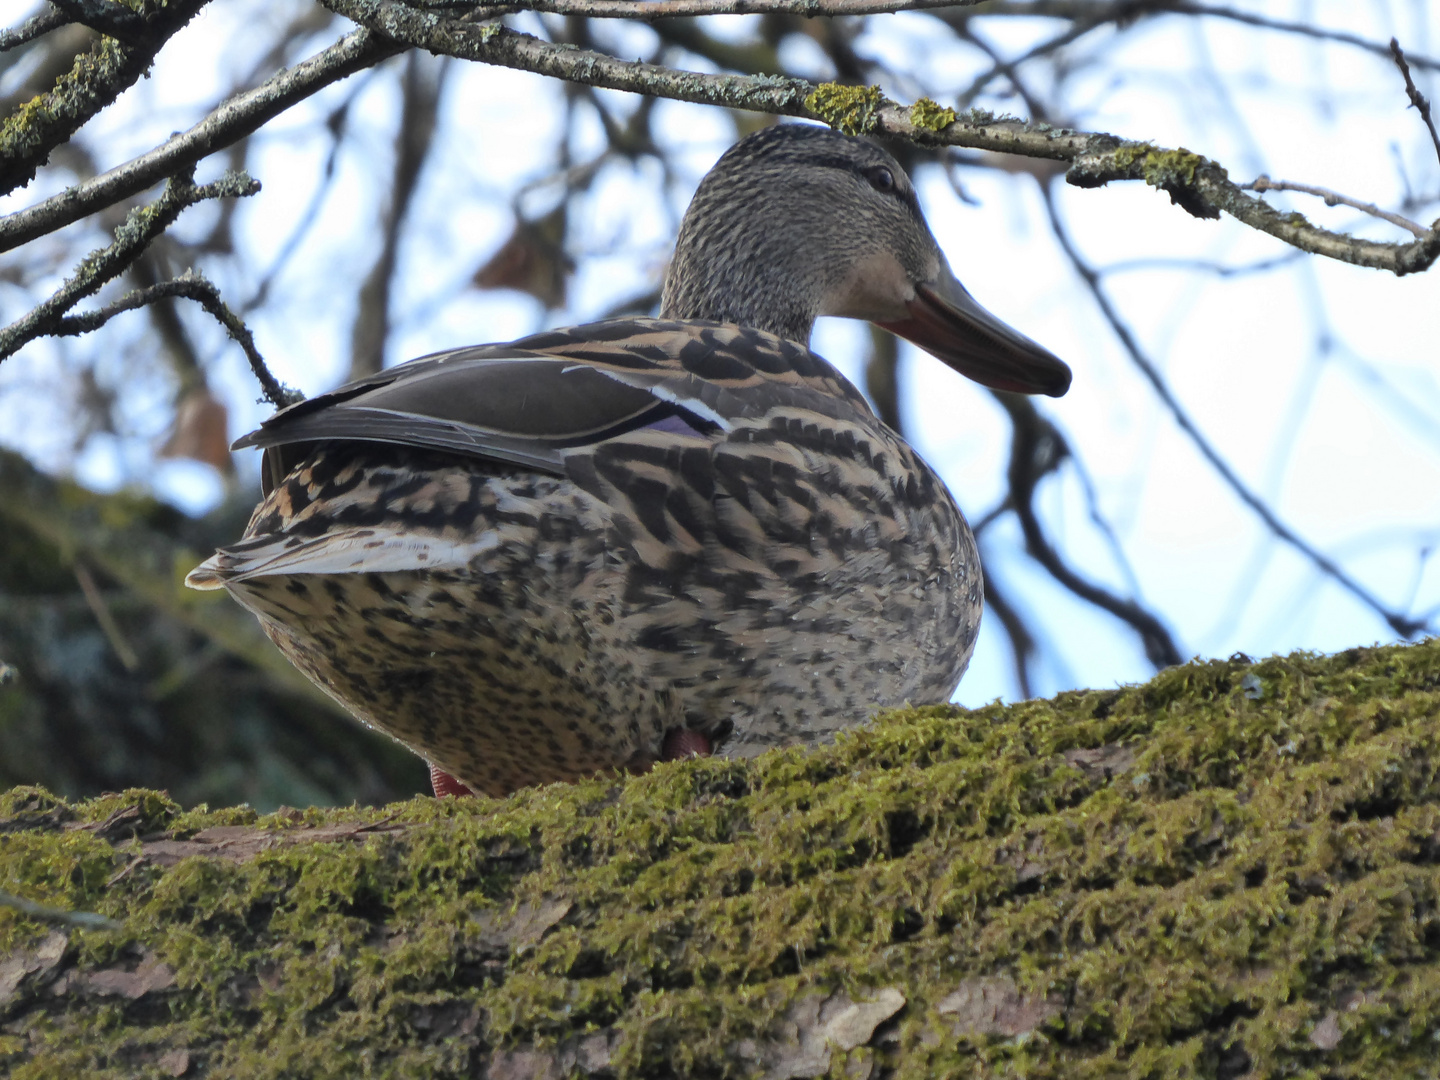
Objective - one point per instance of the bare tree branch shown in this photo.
(1118, 11)
(1263, 183)
(191, 285)
(97, 78)
(1416, 97)
(141, 226)
(651, 10)
(1022, 641)
(115, 20)
(242, 115)
(1036, 450)
(1197, 184)
(106, 621)
(422, 83)
(1403, 625)
(32, 28)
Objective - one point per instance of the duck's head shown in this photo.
(798, 221)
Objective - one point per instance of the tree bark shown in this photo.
(1231, 870)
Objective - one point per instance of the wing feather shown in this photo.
(534, 401)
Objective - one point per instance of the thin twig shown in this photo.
(242, 115)
(1118, 10)
(1263, 183)
(80, 920)
(421, 86)
(32, 28)
(999, 67)
(1036, 450)
(1403, 625)
(191, 285)
(141, 226)
(1022, 641)
(1204, 266)
(1416, 97)
(108, 626)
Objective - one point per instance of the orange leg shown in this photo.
(682, 743)
(679, 743)
(445, 784)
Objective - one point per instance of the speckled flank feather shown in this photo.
(601, 545)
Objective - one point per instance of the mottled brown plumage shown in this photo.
(602, 545)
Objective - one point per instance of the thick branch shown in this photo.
(141, 226)
(116, 21)
(97, 78)
(240, 116)
(1197, 184)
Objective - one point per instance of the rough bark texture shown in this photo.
(1232, 870)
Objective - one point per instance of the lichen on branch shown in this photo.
(1198, 185)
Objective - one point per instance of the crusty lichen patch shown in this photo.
(1231, 870)
(931, 116)
(1175, 172)
(855, 110)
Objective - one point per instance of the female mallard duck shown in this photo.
(599, 546)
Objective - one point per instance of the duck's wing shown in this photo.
(531, 401)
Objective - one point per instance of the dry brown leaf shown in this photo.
(532, 260)
(503, 929)
(1102, 761)
(150, 976)
(201, 431)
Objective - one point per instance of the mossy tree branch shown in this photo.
(97, 78)
(1230, 870)
(232, 121)
(654, 10)
(1197, 184)
(191, 285)
(140, 228)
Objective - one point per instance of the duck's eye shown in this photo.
(882, 179)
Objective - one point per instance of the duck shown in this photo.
(607, 545)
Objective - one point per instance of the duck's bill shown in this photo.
(946, 322)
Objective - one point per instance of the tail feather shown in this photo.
(349, 551)
(209, 576)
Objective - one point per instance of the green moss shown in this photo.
(1199, 871)
(930, 116)
(855, 110)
